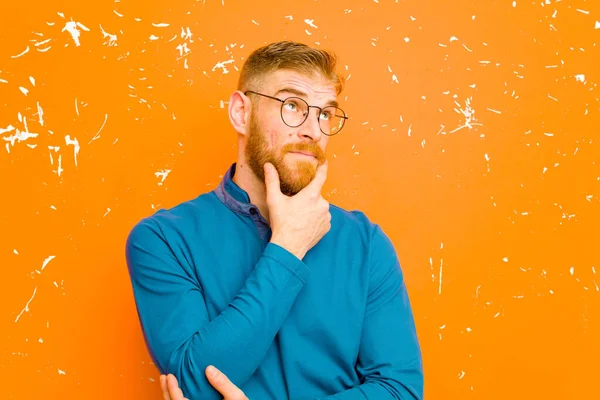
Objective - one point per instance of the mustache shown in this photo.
(312, 148)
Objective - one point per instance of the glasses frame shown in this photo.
(344, 117)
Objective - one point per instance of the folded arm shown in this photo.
(389, 359)
(172, 310)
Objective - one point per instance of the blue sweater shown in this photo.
(211, 289)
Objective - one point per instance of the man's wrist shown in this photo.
(298, 253)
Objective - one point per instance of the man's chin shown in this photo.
(295, 183)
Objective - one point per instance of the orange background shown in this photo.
(473, 140)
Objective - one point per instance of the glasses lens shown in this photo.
(331, 120)
(294, 111)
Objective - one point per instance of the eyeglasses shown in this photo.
(294, 112)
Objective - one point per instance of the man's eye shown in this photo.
(325, 115)
(291, 106)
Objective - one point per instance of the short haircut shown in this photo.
(288, 55)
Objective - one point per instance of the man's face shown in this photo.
(295, 152)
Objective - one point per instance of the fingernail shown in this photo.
(210, 370)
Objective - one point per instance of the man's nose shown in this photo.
(310, 128)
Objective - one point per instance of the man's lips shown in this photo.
(306, 153)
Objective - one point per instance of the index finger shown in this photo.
(319, 180)
(163, 387)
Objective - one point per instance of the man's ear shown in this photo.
(240, 108)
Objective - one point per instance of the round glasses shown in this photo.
(294, 112)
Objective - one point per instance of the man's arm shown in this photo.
(171, 304)
(389, 359)
(173, 314)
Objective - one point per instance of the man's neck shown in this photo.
(256, 190)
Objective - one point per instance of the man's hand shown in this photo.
(300, 221)
(223, 385)
(170, 388)
(171, 391)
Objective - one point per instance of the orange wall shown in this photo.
(473, 140)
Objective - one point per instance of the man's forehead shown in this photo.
(312, 85)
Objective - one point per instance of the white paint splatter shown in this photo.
(61, 372)
(26, 309)
(40, 114)
(160, 25)
(580, 78)
(32, 80)
(431, 267)
(441, 272)
(163, 174)
(394, 77)
(24, 52)
(597, 25)
(38, 44)
(9, 128)
(468, 112)
(71, 27)
(47, 260)
(222, 66)
(100, 130)
(183, 49)
(152, 37)
(75, 144)
(19, 135)
(59, 170)
(187, 35)
(22, 89)
(109, 39)
(310, 22)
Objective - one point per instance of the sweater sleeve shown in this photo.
(389, 359)
(172, 311)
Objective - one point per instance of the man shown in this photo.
(288, 296)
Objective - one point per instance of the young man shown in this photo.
(288, 296)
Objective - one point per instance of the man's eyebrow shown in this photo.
(301, 94)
